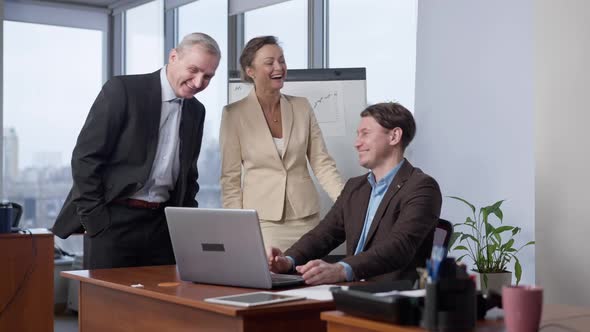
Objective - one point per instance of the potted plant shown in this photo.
(490, 248)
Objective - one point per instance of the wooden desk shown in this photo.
(26, 277)
(556, 317)
(109, 303)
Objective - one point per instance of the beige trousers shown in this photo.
(284, 233)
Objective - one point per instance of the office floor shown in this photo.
(66, 322)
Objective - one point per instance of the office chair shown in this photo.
(443, 233)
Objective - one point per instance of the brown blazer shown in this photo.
(254, 176)
(401, 234)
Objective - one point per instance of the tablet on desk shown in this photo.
(253, 299)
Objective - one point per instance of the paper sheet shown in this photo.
(409, 293)
(320, 293)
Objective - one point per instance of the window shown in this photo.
(144, 38)
(49, 86)
(382, 38)
(287, 21)
(214, 97)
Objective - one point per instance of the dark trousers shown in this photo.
(135, 237)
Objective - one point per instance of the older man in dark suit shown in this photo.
(136, 153)
(387, 217)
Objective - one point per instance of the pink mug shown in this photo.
(522, 306)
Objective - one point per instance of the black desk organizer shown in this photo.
(451, 303)
(360, 301)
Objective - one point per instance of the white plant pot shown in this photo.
(495, 281)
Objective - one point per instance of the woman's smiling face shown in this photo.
(268, 69)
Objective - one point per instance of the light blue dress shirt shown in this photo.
(166, 164)
(377, 192)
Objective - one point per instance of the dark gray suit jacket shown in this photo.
(401, 234)
(116, 148)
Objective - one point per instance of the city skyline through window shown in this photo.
(214, 97)
(49, 86)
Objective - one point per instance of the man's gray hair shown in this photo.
(199, 38)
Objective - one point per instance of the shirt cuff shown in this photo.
(348, 270)
(292, 264)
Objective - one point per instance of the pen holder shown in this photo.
(450, 305)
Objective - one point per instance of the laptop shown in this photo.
(222, 247)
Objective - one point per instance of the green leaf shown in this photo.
(499, 214)
(480, 257)
(464, 201)
(495, 206)
(495, 209)
(529, 243)
(490, 229)
(485, 212)
(469, 221)
(515, 230)
(454, 237)
(461, 257)
(472, 226)
(507, 244)
(491, 249)
(497, 237)
(461, 248)
(517, 270)
(469, 236)
(501, 229)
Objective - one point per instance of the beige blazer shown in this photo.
(248, 151)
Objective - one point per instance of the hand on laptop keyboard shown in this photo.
(277, 262)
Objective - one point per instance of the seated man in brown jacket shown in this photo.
(387, 216)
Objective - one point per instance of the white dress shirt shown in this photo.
(166, 165)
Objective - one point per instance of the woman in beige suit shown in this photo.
(266, 140)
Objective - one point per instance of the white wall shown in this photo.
(562, 177)
(474, 108)
(1, 93)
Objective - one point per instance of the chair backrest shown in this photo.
(442, 233)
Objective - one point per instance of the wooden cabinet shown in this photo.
(26, 282)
